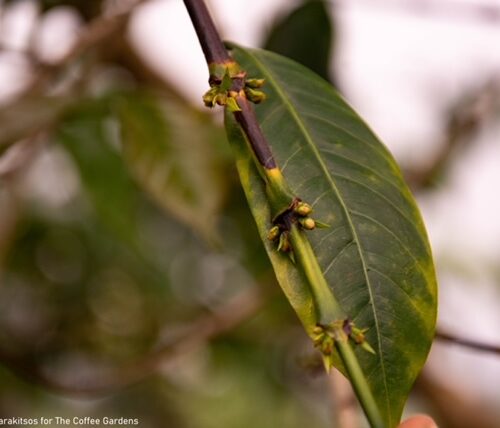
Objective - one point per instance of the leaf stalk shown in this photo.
(329, 312)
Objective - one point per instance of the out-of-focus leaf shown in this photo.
(172, 150)
(375, 255)
(87, 135)
(23, 118)
(305, 35)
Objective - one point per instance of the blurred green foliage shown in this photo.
(306, 35)
(129, 223)
(99, 280)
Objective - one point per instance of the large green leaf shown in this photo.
(375, 256)
(172, 149)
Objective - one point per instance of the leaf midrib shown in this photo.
(337, 192)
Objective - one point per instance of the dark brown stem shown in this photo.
(209, 38)
(248, 122)
(96, 32)
(468, 343)
(215, 52)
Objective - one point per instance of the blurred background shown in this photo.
(119, 299)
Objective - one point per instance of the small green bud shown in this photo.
(284, 244)
(273, 233)
(318, 340)
(358, 335)
(255, 83)
(318, 329)
(209, 97)
(221, 99)
(307, 223)
(232, 105)
(303, 209)
(327, 346)
(255, 96)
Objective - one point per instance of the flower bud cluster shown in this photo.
(227, 81)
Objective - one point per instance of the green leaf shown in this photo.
(375, 255)
(173, 151)
(85, 133)
(305, 35)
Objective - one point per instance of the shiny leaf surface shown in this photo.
(375, 255)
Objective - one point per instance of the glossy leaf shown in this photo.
(172, 150)
(375, 255)
(309, 25)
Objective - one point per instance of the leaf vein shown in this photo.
(336, 257)
(375, 148)
(384, 227)
(314, 150)
(380, 195)
(417, 309)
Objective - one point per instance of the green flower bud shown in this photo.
(358, 335)
(232, 105)
(303, 209)
(307, 223)
(255, 83)
(254, 96)
(209, 97)
(327, 346)
(318, 340)
(318, 329)
(221, 99)
(273, 233)
(284, 244)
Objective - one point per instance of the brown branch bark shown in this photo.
(96, 32)
(210, 42)
(212, 46)
(465, 120)
(467, 343)
(100, 31)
